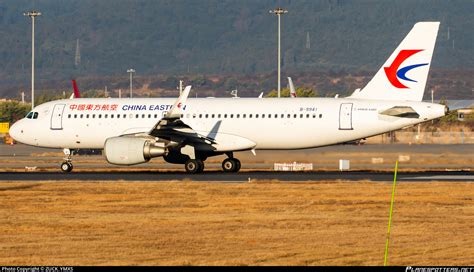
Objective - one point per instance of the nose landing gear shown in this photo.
(67, 166)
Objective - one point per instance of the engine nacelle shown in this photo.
(130, 150)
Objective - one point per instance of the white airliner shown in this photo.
(182, 131)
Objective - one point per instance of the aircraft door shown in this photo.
(57, 117)
(345, 116)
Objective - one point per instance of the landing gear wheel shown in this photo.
(231, 165)
(201, 166)
(237, 165)
(194, 166)
(66, 167)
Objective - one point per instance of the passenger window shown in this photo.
(231, 116)
(294, 115)
(87, 116)
(225, 115)
(282, 115)
(137, 115)
(250, 115)
(269, 116)
(194, 115)
(75, 116)
(143, 115)
(106, 115)
(69, 116)
(213, 115)
(100, 116)
(256, 115)
(111, 116)
(124, 116)
(244, 115)
(219, 115)
(35, 115)
(263, 115)
(320, 116)
(149, 116)
(307, 115)
(118, 116)
(301, 115)
(200, 115)
(276, 115)
(93, 116)
(314, 115)
(288, 116)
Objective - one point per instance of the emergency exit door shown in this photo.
(345, 116)
(57, 116)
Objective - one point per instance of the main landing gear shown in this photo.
(230, 164)
(194, 166)
(66, 166)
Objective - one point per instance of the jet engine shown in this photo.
(131, 150)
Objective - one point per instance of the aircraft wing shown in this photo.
(173, 129)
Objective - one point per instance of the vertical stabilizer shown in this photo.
(403, 76)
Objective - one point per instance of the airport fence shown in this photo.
(436, 137)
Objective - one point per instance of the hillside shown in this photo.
(223, 37)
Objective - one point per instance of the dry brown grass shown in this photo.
(257, 223)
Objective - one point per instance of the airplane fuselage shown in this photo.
(269, 123)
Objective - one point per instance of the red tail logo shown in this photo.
(394, 73)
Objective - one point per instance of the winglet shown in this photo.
(180, 103)
(292, 88)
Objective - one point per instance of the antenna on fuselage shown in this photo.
(234, 93)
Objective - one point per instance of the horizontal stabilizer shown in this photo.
(401, 111)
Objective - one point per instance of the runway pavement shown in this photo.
(216, 176)
(366, 157)
(431, 161)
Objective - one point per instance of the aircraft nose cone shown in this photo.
(15, 132)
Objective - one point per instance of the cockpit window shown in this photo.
(32, 115)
